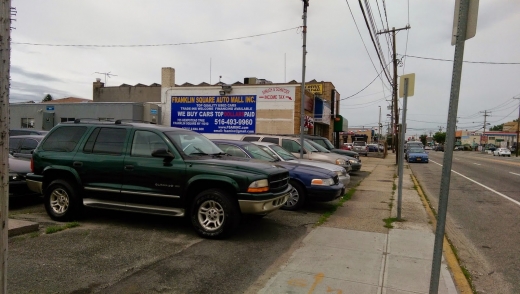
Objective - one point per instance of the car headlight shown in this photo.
(322, 182)
(340, 161)
(258, 186)
(341, 172)
(352, 161)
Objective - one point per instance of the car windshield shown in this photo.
(416, 150)
(192, 143)
(359, 143)
(259, 153)
(308, 146)
(283, 153)
(317, 146)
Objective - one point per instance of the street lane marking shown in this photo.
(514, 173)
(477, 163)
(496, 192)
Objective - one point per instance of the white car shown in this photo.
(502, 152)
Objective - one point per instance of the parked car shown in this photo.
(281, 154)
(325, 143)
(309, 183)
(347, 146)
(18, 169)
(153, 169)
(439, 148)
(373, 148)
(490, 147)
(415, 154)
(502, 152)
(411, 144)
(360, 147)
(19, 132)
(24, 145)
(354, 162)
(292, 144)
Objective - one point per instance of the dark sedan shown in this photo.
(18, 169)
(24, 145)
(309, 183)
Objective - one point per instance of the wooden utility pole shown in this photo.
(5, 51)
(517, 128)
(395, 140)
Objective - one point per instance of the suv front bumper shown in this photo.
(268, 202)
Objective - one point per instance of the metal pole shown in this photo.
(379, 131)
(302, 100)
(396, 118)
(517, 127)
(448, 151)
(5, 51)
(401, 151)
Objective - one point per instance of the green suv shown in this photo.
(151, 169)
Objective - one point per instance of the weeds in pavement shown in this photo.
(323, 218)
(55, 229)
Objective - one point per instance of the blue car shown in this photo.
(309, 183)
(415, 154)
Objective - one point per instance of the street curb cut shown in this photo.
(458, 276)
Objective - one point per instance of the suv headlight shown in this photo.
(258, 186)
(340, 161)
(322, 182)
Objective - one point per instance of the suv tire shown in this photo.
(61, 201)
(297, 198)
(214, 215)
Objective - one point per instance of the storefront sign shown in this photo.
(314, 88)
(276, 93)
(214, 114)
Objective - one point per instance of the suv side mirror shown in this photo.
(163, 153)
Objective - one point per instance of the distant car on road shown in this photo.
(360, 147)
(502, 152)
(415, 154)
(439, 148)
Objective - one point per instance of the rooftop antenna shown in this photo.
(107, 75)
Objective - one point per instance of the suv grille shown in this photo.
(279, 182)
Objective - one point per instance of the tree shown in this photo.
(440, 137)
(47, 97)
(499, 127)
(423, 139)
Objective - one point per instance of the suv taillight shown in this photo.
(32, 164)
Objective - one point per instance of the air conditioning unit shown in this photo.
(152, 113)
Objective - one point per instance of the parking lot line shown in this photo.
(514, 173)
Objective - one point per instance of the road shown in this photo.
(117, 252)
(483, 219)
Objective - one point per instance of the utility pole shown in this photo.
(395, 140)
(302, 100)
(517, 127)
(484, 131)
(379, 125)
(5, 52)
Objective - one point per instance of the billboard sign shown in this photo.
(214, 114)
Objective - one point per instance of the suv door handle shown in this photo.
(129, 167)
(77, 164)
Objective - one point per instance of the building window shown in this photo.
(27, 123)
(66, 119)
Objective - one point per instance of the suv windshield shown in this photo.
(318, 146)
(284, 154)
(193, 143)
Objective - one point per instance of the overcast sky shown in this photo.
(245, 38)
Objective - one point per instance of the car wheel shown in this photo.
(214, 214)
(61, 201)
(296, 197)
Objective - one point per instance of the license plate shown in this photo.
(419, 159)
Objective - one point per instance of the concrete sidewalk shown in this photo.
(353, 252)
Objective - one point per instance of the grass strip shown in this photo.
(55, 229)
(325, 216)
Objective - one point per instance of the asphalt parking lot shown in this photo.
(119, 252)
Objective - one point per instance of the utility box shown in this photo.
(152, 113)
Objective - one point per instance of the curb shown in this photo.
(458, 276)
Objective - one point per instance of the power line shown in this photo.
(155, 45)
(366, 49)
(481, 62)
(365, 86)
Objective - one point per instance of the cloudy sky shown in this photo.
(227, 40)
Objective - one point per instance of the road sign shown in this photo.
(411, 84)
(471, 29)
